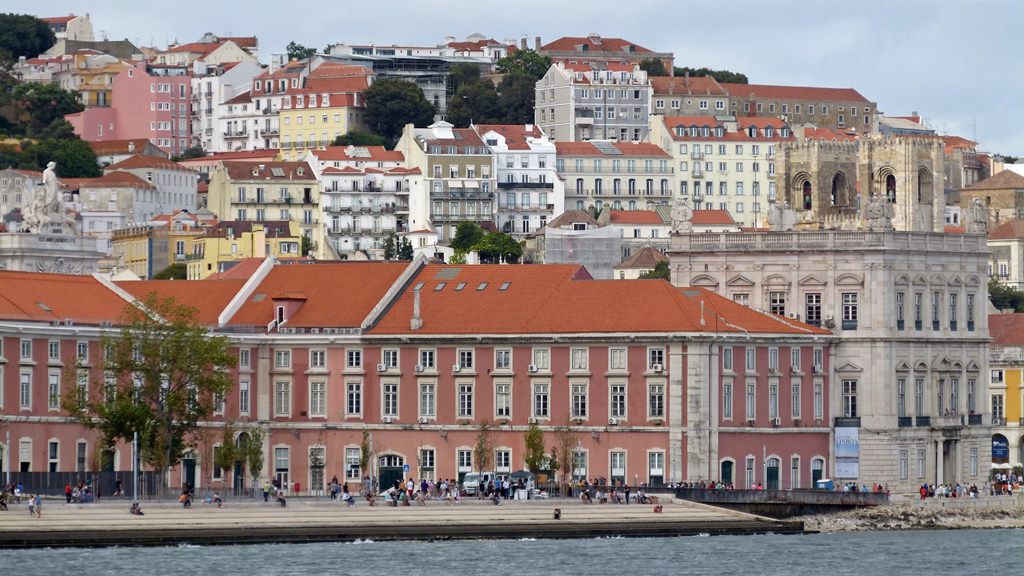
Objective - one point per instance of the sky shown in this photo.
(957, 63)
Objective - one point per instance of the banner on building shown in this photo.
(847, 452)
(1000, 449)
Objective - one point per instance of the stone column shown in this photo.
(939, 463)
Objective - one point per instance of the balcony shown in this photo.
(922, 421)
(847, 422)
(512, 185)
(337, 209)
(236, 134)
(905, 421)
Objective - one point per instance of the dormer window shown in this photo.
(280, 314)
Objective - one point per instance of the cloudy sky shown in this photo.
(958, 63)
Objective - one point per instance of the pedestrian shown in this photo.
(38, 501)
(31, 506)
(266, 491)
(67, 492)
(626, 488)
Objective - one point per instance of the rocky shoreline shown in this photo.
(910, 517)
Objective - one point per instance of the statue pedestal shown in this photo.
(55, 253)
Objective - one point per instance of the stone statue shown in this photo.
(47, 206)
(50, 187)
(781, 217)
(682, 217)
(976, 221)
(878, 214)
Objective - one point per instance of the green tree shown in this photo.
(307, 245)
(458, 257)
(389, 248)
(359, 138)
(405, 250)
(74, 157)
(23, 35)
(567, 439)
(477, 102)
(653, 67)
(719, 75)
(392, 103)
(660, 272)
(497, 247)
(297, 51)
(193, 152)
(228, 452)
(525, 62)
(533, 455)
(462, 74)
(1004, 297)
(364, 454)
(484, 447)
(467, 235)
(176, 271)
(517, 93)
(253, 454)
(32, 107)
(165, 371)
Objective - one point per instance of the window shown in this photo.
(579, 400)
(920, 463)
(317, 358)
(919, 397)
(53, 350)
(428, 400)
(503, 359)
(540, 400)
(465, 394)
(318, 398)
(244, 359)
(53, 392)
(849, 310)
(727, 399)
(727, 359)
(355, 359)
(352, 469)
(952, 311)
(579, 359)
(969, 312)
(849, 398)
(26, 349)
(899, 310)
(655, 400)
(25, 391)
(751, 407)
(617, 358)
(918, 304)
(794, 359)
(904, 464)
(818, 400)
(954, 395)
(354, 399)
(794, 386)
(901, 397)
(466, 359)
(243, 397)
(973, 460)
(390, 400)
(541, 358)
(749, 480)
(971, 383)
(812, 308)
(427, 359)
(283, 359)
(82, 352)
(936, 299)
(773, 359)
(751, 365)
(282, 398)
(777, 303)
(503, 400)
(773, 399)
(656, 358)
(998, 405)
(281, 459)
(390, 358)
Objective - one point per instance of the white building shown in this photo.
(212, 87)
(599, 101)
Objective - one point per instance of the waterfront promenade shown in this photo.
(110, 524)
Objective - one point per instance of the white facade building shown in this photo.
(591, 101)
(212, 86)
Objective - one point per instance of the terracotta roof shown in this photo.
(115, 179)
(627, 149)
(30, 173)
(592, 43)
(515, 134)
(341, 153)
(202, 48)
(793, 92)
(209, 298)
(41, 297)
(143, 161)
(269, 171)
(552, 299)
(568, 217)
(362, 284)
(1005, 180)
(712, 218)
(334, 78)
(636, 217)
(102, 147)
(830, 134)
(463, 137)
(272, 228)
(243, 41)
(243, 98)
(741, 134)
(686, 85)
(645, 258)
(59, 19)
(240, 155)
(1006, 329)
(238, 270)
(1009, 230)
(954, 230)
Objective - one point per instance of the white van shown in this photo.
(471, 481)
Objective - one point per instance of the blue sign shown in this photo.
(1000, 449)
(405, 468)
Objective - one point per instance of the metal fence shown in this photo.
(102, 484)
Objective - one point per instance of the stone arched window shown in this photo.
(807, 195)
(839, 190)
(890, 188)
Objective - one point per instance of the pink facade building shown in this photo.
(149, 102)
(656, 384)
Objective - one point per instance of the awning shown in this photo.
(472, 184)
(455, 184)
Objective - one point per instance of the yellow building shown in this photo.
(1006, 389)
(92, 75)
(147, 249)
(329, 103)
(233, 241)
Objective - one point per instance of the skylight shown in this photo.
(504, 286)
(439, 287)
(482, 286)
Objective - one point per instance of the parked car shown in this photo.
(471, 481)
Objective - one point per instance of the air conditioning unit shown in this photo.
(657, 367)
(314, 330)
(531, 420)
(533, 368)
(386, 419)
(613, 421)
(777, 421)
(817, 369)
(793, 316)
(456, 368)
(419, 368)
(830, 317)
(423, 419)
(381, 368)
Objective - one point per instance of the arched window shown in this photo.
(727, 472)
(772, 473)
(839, 187)
(807, 195)
(817, 471)
(579, 185)
(890, 188)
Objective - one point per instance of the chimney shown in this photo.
(702, 322)
(416, 322)
(536, 43)
(259, 242)
(131, 147)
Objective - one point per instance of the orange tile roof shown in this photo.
(338, 294)
(793, 92)
(568, 217)
(739, 135)
(115, 179)
(684, 85)
(546, 299)
(242, 269)
(627, 149)
(573, 43)
(830, 134)
(41, 297)
(515, 134)
(645, 258)
(243, 98)
(209, 298)
(1005, 180)
(288, 171)
(143, 161)
(712, 218)
(636, 217)
(242, 41)
(1006, 329)
(954, 230)
(101, 147)
(59, 19)
(341, 153)
(1009, 230)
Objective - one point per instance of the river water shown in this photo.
(906, 553)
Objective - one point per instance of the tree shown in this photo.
(653, 67)
(33, 107)
(193, 152)
(566, 441)
(359, 138)
(498, 247)
(660, 272)
(23, 35)
(297, 51)
(517, 93)
(484, 447)
(225, 456)
(525, 62)
(392, 103)
(176, 271)
(74, 157)
(719, 75)
(477, 102)
(364, 454)
(307, 245)
(462, 74)
(467, 235)
(533, 455)
(165, 370)
(458, 257)
(253, 454)
(389, 248)
(1004, 297)
(405, 251)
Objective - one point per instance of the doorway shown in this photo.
(188, 470)
(726, 475)
(392, 469)
(772, 474)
